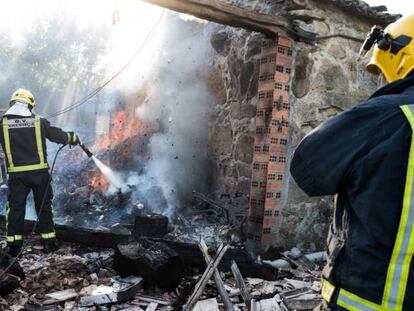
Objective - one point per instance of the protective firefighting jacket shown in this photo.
(366, 157)
(24, 141)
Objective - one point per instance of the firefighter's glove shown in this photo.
(73, 139)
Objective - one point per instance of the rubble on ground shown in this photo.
(143, 271)
(83, 278)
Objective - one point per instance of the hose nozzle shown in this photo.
(86, 150)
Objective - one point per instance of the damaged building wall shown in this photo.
(327, 79)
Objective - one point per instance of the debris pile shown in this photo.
(139, 267)
(294, 289)
(83, 278)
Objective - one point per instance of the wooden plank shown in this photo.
(60, 296)
(152, 300)
(217, 278)
(227, 14)
(240, 283)
(208, 273)
(207, 305)
(152, 306)
(255, 305)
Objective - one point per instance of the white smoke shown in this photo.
(173, 68)
(180, 100)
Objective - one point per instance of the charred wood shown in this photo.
(219, 209)
(150, 225)
(188, 253)
(157, 263)
(8, 284)
(15, 269)
(191, 256)
(10, 280)
(78, 235)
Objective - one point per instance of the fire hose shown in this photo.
(14, 260)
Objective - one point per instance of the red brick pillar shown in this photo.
(270, 167)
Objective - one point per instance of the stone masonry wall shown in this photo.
(327, 80)
(233, 125)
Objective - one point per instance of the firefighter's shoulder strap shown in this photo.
(12, 168)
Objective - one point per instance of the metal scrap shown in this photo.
(120, 291)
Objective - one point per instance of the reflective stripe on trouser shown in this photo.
(14, 238)
(16, 208)
(19, 187)
(403, 251)
(11, 238)
(39, 144)
(49, 235)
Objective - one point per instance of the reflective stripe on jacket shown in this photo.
(24, 142)
(366, 157)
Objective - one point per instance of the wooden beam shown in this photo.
(83, 236)
(227, 14)
(208, 273)
(240, 284)
(217, 278)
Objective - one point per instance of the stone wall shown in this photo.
(233, 119)
(327, 79)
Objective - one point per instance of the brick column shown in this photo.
(270, 168)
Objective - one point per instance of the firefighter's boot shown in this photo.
(50, 245)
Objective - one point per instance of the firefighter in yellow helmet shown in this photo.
(365, 156)
(23, 138)
(393, 52)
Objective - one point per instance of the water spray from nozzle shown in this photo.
(113, 178)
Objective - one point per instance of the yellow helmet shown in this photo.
(393, 53)
(24, 96)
